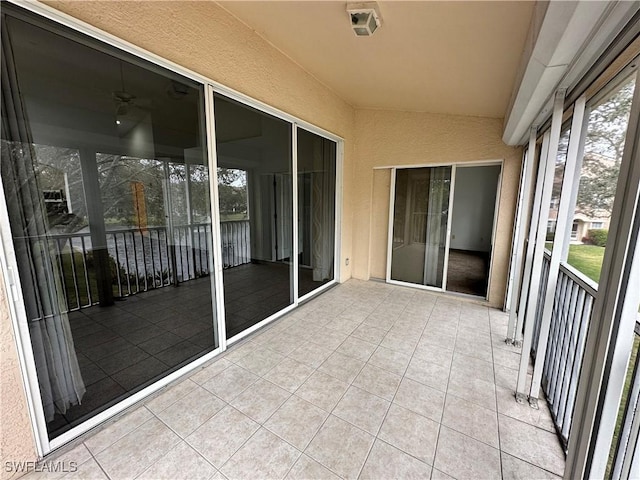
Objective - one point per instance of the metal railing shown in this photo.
(572, 307)
(144, 259)
(627, 454)
(236, 243)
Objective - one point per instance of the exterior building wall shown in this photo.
(16, 433)
(389, 138)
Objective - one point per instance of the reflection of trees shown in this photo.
(59, 169)
(232, 191)
(603, 149)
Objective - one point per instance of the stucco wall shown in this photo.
(16, 434)
(385, 138)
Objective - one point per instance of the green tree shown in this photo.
(604, 147)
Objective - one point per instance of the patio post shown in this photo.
(514, 330)
(565, 216)
(548, 161)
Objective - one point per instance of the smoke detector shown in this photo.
(365, 18)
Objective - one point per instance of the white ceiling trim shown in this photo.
(571, 38)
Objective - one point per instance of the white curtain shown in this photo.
(437, 213)
(59, 376)
(323, 181)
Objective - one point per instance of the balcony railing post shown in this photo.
(535, 254)
(565, 211)
(514, 334)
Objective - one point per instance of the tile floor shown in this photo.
(367, 381)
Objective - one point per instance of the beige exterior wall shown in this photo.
(386, 138)
(16, 434)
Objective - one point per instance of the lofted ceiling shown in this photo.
(455, 57)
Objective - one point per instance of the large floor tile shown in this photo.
(473, 390)
(464, 365)
(311, 354)
(434, 354)
(263, 456)
(137, 450)
(472, 420)
(515, 469)
(420, 398)
(289, 374)
(182, 462)
(222, 435)
(356, 348)
(342, 367)
(297, 421)
(387, 462)
(209, 371)
(427, 373)
(507, 405)
(390, 360)
(306, 468)
(260, 360)
(322, 390)
(531, 444)
(170, 395)
(113, 432)
(369, 333)
(362, 409)
(230, 382)
(463, 457)
(260, 400)
(378, 381)
(410, 432)
(341, 447)
(191, 411)
(89, 470)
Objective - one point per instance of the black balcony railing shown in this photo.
(144, 259)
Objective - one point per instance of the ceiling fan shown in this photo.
(126, 101)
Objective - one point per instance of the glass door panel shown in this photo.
(256, 212)
(420, 220)
(105, 175)
(316, 210)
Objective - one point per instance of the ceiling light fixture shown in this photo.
(364, 17)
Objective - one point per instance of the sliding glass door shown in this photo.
(108, 213)
(420, 223)
(316, 211)
(442, 227)
(106, 183)
(255, 189)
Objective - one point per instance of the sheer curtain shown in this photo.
(437, 213)
(59, 376)
(323, 211)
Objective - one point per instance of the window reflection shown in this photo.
(107, 187)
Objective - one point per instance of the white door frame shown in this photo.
(392, 193)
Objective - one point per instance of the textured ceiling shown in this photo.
(441, 57)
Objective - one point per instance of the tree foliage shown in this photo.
(232, 192)
(603, 149)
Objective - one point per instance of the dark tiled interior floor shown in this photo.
(127, 346)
